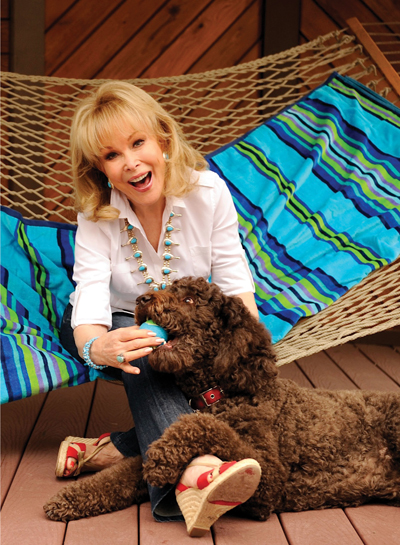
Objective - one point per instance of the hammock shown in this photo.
(219, 111)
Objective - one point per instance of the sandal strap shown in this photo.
(77, 452)
(203, 481)
(205, 464)
(99, 447)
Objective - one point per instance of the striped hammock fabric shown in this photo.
(317, 190)
(36, 280)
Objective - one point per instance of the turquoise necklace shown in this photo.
(166, 270)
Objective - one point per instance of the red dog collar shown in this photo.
(207, 398)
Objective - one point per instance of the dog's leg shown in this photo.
(192, 435)
(111, 489)
(199, 434)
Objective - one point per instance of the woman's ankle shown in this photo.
(108, 456)
(197, 467)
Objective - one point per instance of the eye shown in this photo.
(188, 300)
(138, 143)
(110, 156)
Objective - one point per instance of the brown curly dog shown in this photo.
(316, 448)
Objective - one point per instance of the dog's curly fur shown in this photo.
(317, 448)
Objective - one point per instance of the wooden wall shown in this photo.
(152, 38)
(132, 38)
(319, 17)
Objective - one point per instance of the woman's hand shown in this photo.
(130, 342)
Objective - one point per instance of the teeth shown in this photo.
(139, 179)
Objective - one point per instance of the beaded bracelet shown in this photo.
(86, 355)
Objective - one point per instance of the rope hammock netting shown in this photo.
(214, 108)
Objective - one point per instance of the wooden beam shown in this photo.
(375, 53)
(281, 23)
(27, 57)
(27, 37)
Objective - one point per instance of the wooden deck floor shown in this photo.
(33, 428)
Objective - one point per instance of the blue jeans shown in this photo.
(155, 402)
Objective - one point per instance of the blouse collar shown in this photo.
(120, 201)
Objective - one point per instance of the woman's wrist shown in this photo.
(86, 352)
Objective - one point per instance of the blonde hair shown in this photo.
(96, 119)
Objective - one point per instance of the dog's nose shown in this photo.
(144, 299)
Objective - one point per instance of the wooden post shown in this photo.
(281, 28)
(27, 57)
(27, 37)
(375, 53)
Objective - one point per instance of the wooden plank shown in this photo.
(360, 369)
(323, 373)
(54, 10)
(17, 421)
(197, 38)
(293, 372)
(376, 524)
(385, 10)
(384, 357)
(314, 21)
(229, 49)
(23, 520)
(252, 54)
(91, 56)
(319, 528)
(72, 30)
(230, 530)
(120, 528)
(140, 52)
(110, 412)
(168, 533)
(376, 54)
(341, 10)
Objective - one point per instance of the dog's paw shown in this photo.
(165, 463)
(60, 509)
(160, 469)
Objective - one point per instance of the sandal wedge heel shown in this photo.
(232, 483)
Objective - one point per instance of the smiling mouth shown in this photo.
(142, 181)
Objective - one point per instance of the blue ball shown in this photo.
(160, 331)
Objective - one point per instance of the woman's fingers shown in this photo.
(138, 345)
(132, 332)
(130, 369)
(126, 344)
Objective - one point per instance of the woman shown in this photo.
(149, 212)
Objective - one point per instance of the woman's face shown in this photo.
(133, 161)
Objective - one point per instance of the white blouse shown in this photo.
(209, 245)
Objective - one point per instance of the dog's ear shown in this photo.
(245, 360)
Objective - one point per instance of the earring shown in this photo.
(165, 155)
(110, 184)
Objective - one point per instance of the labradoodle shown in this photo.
(317, 448)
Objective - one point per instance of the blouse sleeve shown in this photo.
(229, 265)
(92, 273)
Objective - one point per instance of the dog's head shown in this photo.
(211, 335)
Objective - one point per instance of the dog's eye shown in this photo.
(188, 300)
